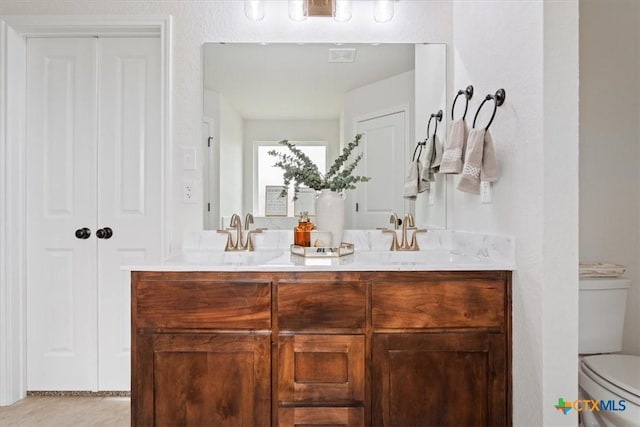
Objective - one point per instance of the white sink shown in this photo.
(427, 257)
(222, 258)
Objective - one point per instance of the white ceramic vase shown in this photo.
(330, 214)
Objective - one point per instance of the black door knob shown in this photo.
(83, 233)
(104, 233)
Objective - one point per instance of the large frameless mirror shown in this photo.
(319, 96)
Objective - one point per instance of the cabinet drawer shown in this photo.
(203, 304)
(438, 304)
(313, 305)
(321, 369)
(347, 417)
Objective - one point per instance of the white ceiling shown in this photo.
(296, 81)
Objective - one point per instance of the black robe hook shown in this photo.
(498, 100)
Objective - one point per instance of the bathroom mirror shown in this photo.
(319, 96)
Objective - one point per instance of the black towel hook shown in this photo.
(419, 144)
(438, 117)
(498, 99)
(468, 94)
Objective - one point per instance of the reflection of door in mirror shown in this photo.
(384, 162)
(308, 93)
(210, 178)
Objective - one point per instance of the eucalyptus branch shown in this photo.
(299, 169)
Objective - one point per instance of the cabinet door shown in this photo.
(208, 379)
(439, 379)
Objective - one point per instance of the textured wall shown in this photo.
(610, 144)
(520, 46)
(498, 44)
(223, 20)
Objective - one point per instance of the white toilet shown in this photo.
(613, 380)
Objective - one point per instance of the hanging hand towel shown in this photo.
(432, 159)
(480, 162)
(489, 172)
(454, 147)
(412, 183)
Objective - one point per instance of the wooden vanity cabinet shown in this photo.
(321, 348)
(441, 351)
(201, 350)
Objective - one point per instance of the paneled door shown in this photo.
(94, 203)
(384, 162)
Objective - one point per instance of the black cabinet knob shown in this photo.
(83, 233)
(104, 233)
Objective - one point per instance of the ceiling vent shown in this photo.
(342, 55)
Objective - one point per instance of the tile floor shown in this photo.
(56, 411)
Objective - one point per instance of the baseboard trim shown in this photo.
(78, 393)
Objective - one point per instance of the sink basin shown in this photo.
(222, 258)
(428, 257)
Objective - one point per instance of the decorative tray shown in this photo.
(323, 252)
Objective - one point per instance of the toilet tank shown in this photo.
(602, 303)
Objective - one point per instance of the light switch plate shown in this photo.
(188, 158)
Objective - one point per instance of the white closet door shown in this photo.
(384, 160)
(129, 190)
(61, 183)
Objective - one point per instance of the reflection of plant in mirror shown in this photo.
(301, 170)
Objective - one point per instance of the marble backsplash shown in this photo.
(479, 246)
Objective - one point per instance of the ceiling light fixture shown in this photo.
(383, 10)
(298, 9)
(340, 10)
(254, 9)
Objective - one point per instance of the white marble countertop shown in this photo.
(442, 250)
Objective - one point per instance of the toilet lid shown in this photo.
(619, 369)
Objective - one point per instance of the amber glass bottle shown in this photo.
(302, 232)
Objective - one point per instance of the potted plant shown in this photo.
(300, 170)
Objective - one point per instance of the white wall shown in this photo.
(610, 144)
(379, 96)
(231, 155)
(277, 130)
(431, 95)
(228, 142)
(195, 22)
(497, 44)
(529, 48)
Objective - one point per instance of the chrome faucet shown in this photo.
(236, 223)
(407, 224)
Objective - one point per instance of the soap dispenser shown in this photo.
(302, 232)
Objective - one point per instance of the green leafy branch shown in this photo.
(299, 169)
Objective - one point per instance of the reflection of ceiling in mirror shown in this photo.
(297, 81)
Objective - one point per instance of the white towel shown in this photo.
(433, 159)
(412, 183)
(480, 162)
(454, 147)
